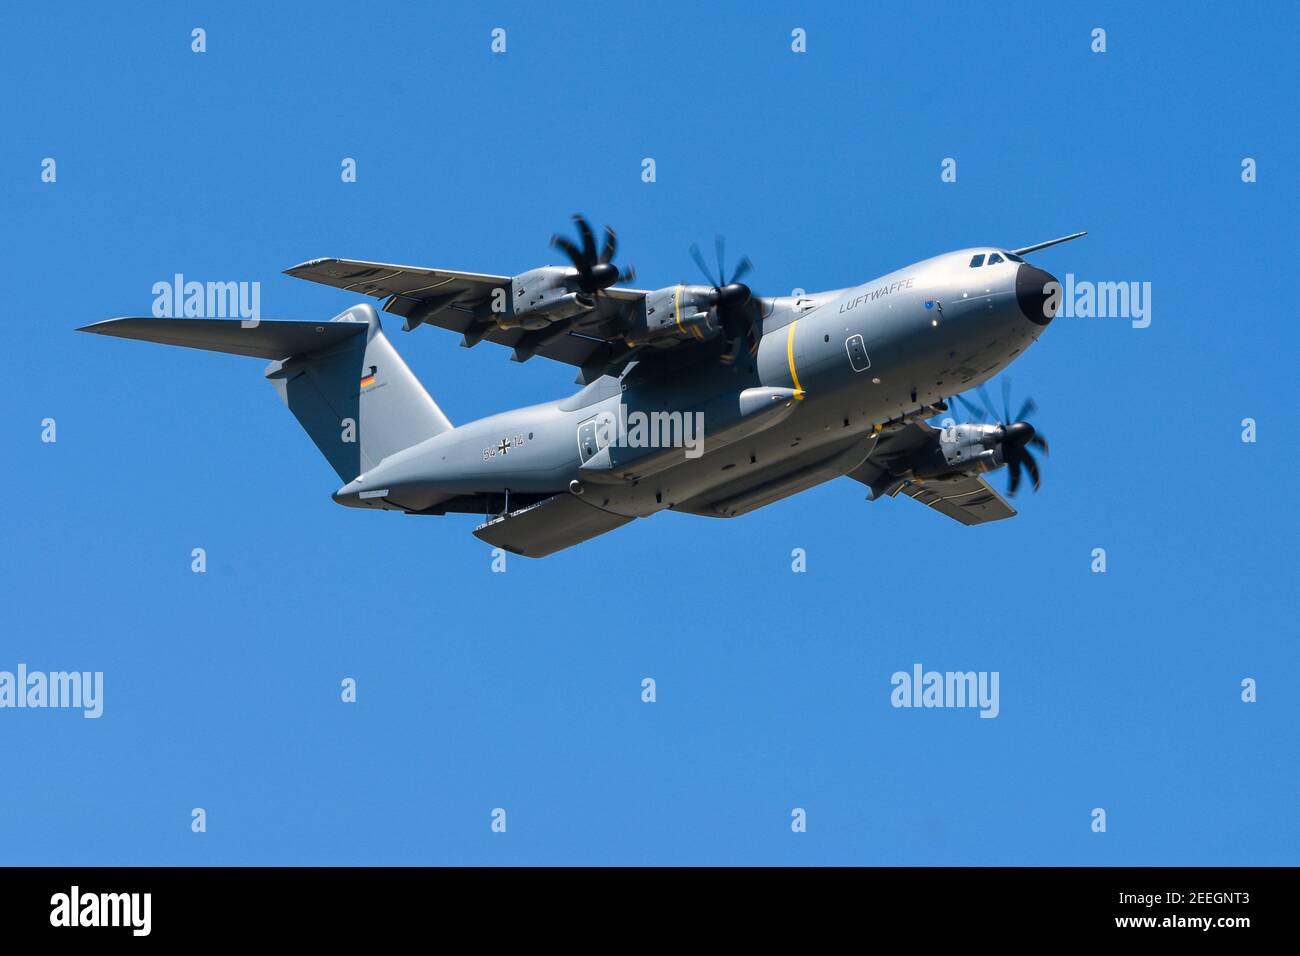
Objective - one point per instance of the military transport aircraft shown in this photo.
(705, 399)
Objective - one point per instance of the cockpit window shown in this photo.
(994, 259)
(1013, 257)
(977, 261)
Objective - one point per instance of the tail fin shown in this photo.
(358, 401)
(342, 379)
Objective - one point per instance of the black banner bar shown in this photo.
(336, 904)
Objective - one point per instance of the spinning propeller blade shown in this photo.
(1015, 435)
(732, 300)
(595, 272)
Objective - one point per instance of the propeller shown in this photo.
(1016, 439)
(1015, 435)
(971, 409)
(595, 272)
(731, 300)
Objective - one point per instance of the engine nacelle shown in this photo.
(667, 316)
(966, 448)
(540, 297)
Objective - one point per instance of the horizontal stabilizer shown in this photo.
(268, 339)
(342, 379)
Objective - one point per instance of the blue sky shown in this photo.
(522, 690)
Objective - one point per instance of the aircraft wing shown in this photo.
(381, 279)
(462, 302)
(968, 498)
(965, 498)
(554, 524)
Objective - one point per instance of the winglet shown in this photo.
(1051, 242)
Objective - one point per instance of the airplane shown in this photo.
(705, 399)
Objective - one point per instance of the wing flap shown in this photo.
(382, 279)
(554, 524)
(968, 499)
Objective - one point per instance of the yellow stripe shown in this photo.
(789, 354)
(677, 305)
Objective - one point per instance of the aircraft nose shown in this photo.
(1033, 293)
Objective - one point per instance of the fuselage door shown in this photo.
(857, 350)
(587, 440)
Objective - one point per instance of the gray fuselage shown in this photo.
(850, 360)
